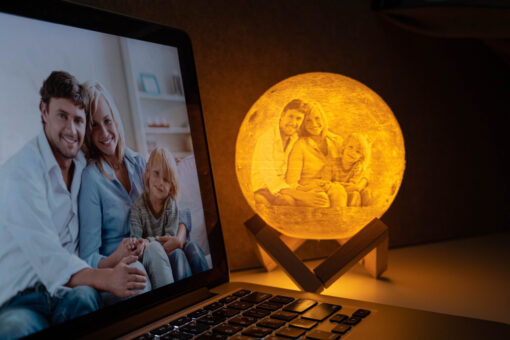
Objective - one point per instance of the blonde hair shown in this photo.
(315, 108)
(360, 166)
(96, 91)
(166, 160)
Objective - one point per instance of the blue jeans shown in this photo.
(156, 263)
(33, 309)
(187, 261)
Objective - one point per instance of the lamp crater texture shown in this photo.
(319, 155)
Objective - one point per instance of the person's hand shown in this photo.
(125, 281)
(170, 243)
(315, 199)
(129, 244)
(124, 249)
(138, 246)
(127, 247)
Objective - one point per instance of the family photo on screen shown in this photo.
(87, 221)
(96, 206)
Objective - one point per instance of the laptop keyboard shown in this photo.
(248, 315)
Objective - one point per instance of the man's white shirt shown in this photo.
(38, 221)
(270, 159)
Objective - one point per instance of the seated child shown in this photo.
(155, 216)
(350, 168)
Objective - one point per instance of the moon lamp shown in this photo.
(319, 155)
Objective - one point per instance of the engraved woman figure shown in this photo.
(309, 166)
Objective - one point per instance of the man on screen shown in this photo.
(44, 282)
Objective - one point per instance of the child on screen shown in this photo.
(155, 216)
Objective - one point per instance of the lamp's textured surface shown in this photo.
(319, 155)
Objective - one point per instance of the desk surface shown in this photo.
(467, 277)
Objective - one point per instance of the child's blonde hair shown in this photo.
(360, 166)
(168, 169)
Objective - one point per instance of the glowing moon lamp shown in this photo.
(319, 155)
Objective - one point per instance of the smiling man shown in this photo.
(44, 282)
(270, 160)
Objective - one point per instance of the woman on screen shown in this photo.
(111, 182)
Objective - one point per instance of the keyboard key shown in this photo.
(213, 306)
(300, 306)
(211, 320)
(227, 329)
(195, 327)
(198, 313)
(275, 337)
(242, 292)
(361, 313)
(239, 336)
(303, 323)
(180, 321)
(211, 336)
(269, 306)
(162, 330)
(283, 300)
(228, 299)
(341, 328)
(339, 318)
(256, 297)
(225, 312)
(242, 320)
(176, 335)
(240, 305)
(290, 332)
(271, 323)
(321, 312)
(254, 313)
(147, 336)
(257, 332)
(321, 335)
(353, 320)
(282, 315)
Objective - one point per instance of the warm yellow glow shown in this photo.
(319, 155)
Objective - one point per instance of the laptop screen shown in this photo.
(105, 180)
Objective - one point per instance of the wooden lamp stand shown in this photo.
(370, 244)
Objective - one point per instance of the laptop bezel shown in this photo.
(84, 17)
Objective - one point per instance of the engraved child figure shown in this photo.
(350, 170)
(155, 216)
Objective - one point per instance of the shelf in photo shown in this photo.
(164, 130)
(163, 97)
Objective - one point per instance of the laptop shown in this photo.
(149, 72)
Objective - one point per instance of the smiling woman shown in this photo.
(328, 173)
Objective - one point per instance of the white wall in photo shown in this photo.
(44, 48)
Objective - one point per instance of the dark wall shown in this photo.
(449, 95)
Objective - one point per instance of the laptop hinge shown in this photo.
(146, 317)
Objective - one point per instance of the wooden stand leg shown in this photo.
(375, 262)
(270, 241)
(267, 261)
(371, 236)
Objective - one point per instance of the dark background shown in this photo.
(450, 94)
